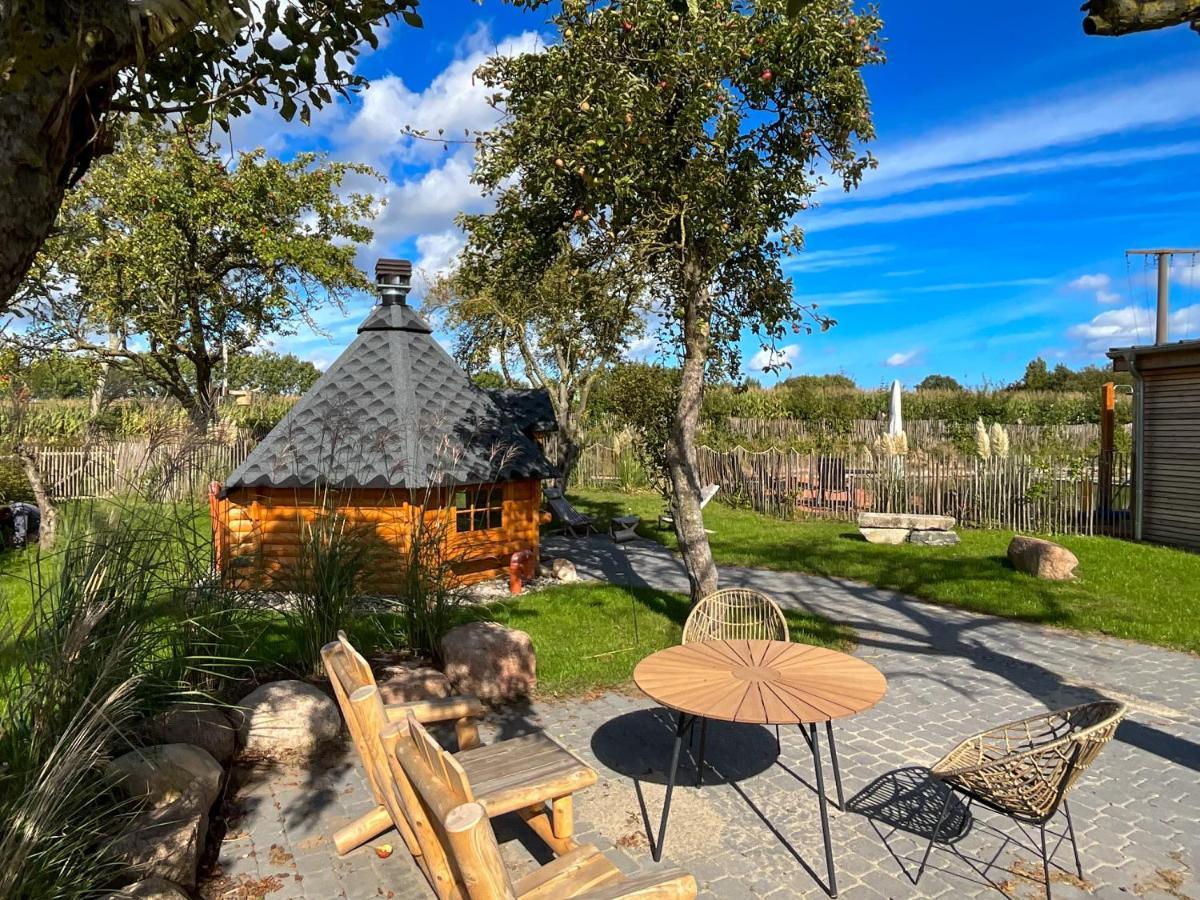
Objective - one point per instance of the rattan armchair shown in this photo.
(1025, 769)
(738, 614)
(735, 614)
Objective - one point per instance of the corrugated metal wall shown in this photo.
(1170, 457)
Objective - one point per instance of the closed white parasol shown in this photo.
(895, 416)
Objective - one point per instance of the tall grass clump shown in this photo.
(101, 647)
(431, 594)
(325, 583)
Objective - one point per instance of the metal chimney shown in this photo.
(393, 280)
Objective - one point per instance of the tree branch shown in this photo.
(1112, 18)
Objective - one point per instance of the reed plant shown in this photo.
(105, 643)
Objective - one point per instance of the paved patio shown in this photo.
(752, 830)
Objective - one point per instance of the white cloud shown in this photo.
(1132, 325)
(641, 348)
(899, 212)
(864, 297)
(429, 202)
(1107, 297)
(1187, 274)
(454, 102)
(976, 285)
(812, 261)
(1081, 112)
(436, 252)
(874, 187)
(1090, 283)
(897, 360)
(772, 358)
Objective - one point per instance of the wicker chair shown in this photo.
(735, 614)
(1025, 769)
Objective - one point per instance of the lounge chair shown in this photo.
(456, 846)
(666, 519)
(531, 775)
(570, 520)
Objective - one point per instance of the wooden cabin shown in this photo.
(1166, 440)
(394, 435)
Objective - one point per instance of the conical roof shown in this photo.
(393, 411)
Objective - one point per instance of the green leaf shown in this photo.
(412, 18)
(287, 108)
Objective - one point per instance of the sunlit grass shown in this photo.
(1124, 589)
(589, 636)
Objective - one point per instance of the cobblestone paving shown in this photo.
(752, 829)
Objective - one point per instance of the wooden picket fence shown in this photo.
(161, 470)
(926, 433)
(1089, 495)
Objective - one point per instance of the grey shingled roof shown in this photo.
(394, 410)
(528, 408)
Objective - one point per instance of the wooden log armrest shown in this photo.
(587, 873)
(442, 710)
(669, 884)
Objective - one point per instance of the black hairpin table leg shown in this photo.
(685, 722)
(815, 744)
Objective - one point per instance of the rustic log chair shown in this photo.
(348, 671)
(458, 851)
(737, 614)
(1025, 769)
(531, 775)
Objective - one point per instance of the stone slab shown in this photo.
(905, 520)
(885, 535)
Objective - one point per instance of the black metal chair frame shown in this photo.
(1040, 822)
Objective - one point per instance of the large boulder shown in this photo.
(402, 683)
(563, 570)
(166, 842)
(150, 889)
(161, 775)
(1042, 558)
(198, 724)
(288, 721)
(494, 663)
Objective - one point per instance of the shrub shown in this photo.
(13, 483)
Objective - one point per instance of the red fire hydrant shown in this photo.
(520, 569)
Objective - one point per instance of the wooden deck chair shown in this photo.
(348, 671)
(666, 520)
(570, 520)
(459, 855)
(531, 775)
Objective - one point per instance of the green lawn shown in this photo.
(1128, 590)
(585, 635)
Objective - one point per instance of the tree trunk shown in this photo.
(681, 448)
(41, 496)
(568, 457)
(52, 111)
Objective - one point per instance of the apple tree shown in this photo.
(692, 134)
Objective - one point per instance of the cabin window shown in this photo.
(479, 509)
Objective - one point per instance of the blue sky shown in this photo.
(1019, 159)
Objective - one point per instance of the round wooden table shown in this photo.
(760, 683)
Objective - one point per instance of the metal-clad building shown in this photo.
(1166, 440)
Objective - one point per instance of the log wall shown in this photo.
(259, 533)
